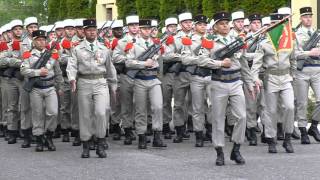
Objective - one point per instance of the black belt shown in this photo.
(43, 87)
(146, 77)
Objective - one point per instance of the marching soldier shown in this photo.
(226, 85)
(169, 75)
(126, 91)
(307, 76)
(31, 25)
(69, 105)
(147, 87)
(238, 23)
(279, 67)
(117, 32)
(43, 93)
(200, 78)
(253, 104)
(238, 28)
(79, 31)
(182, 80)
(86, 71)
(15, 82)
(4, 80)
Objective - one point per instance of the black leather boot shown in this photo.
(157, 141)
(27, 133)
(189, 124)
(142, 144)
(208, 134)
(272, 145)
(49, 142)
(280, 132)
(149, 130)
(2, 131)
(304, 135)
(132, 134)
(100, 148)
(65, 135)
(166, 131)
(199, 139)
(77, 140)
(40, 143)
(116, 132)
(313, 131)
(179, 136)
(12, 137)
(235, 154)
(253, 137)
(185, 133)
(57, 132)
(263, 137)
(287, 143)
(220, 156)
(85, 149)
(128, 138)
(295, 134)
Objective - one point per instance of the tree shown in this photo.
(53, 10)
(148, 8)
(80, 8)
(170, 8)
(20, 9)
(125, 7)
(195, 7)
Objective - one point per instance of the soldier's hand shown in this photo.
(148, 63)
(60, 92)
(43, 71)
(226, 63)
(314, 52)
(258, 86)
(252, 94)
(73, 85)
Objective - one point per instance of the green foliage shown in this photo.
(20, 9)
(148, 8)
(63, 9)
(170, 8)
(125, 7)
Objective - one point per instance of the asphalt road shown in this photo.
(177, 161)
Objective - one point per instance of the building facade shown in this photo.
(106, 10)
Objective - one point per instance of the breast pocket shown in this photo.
(100, 57)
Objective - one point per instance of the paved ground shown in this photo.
(178, 161)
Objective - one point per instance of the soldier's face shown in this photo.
(117, 32)
(239, 24)
(255, 25)
(133, 28)
(201, 27)
(17, 31)
(40, 43)
(52, 36)
(145, 32)
(154, 32)
(60, 32)
(186, 25)
(32, 27)
(306, 20)
(70, 32)
(222, 27)
(90, 33)
(80, 32)
(172, 28)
